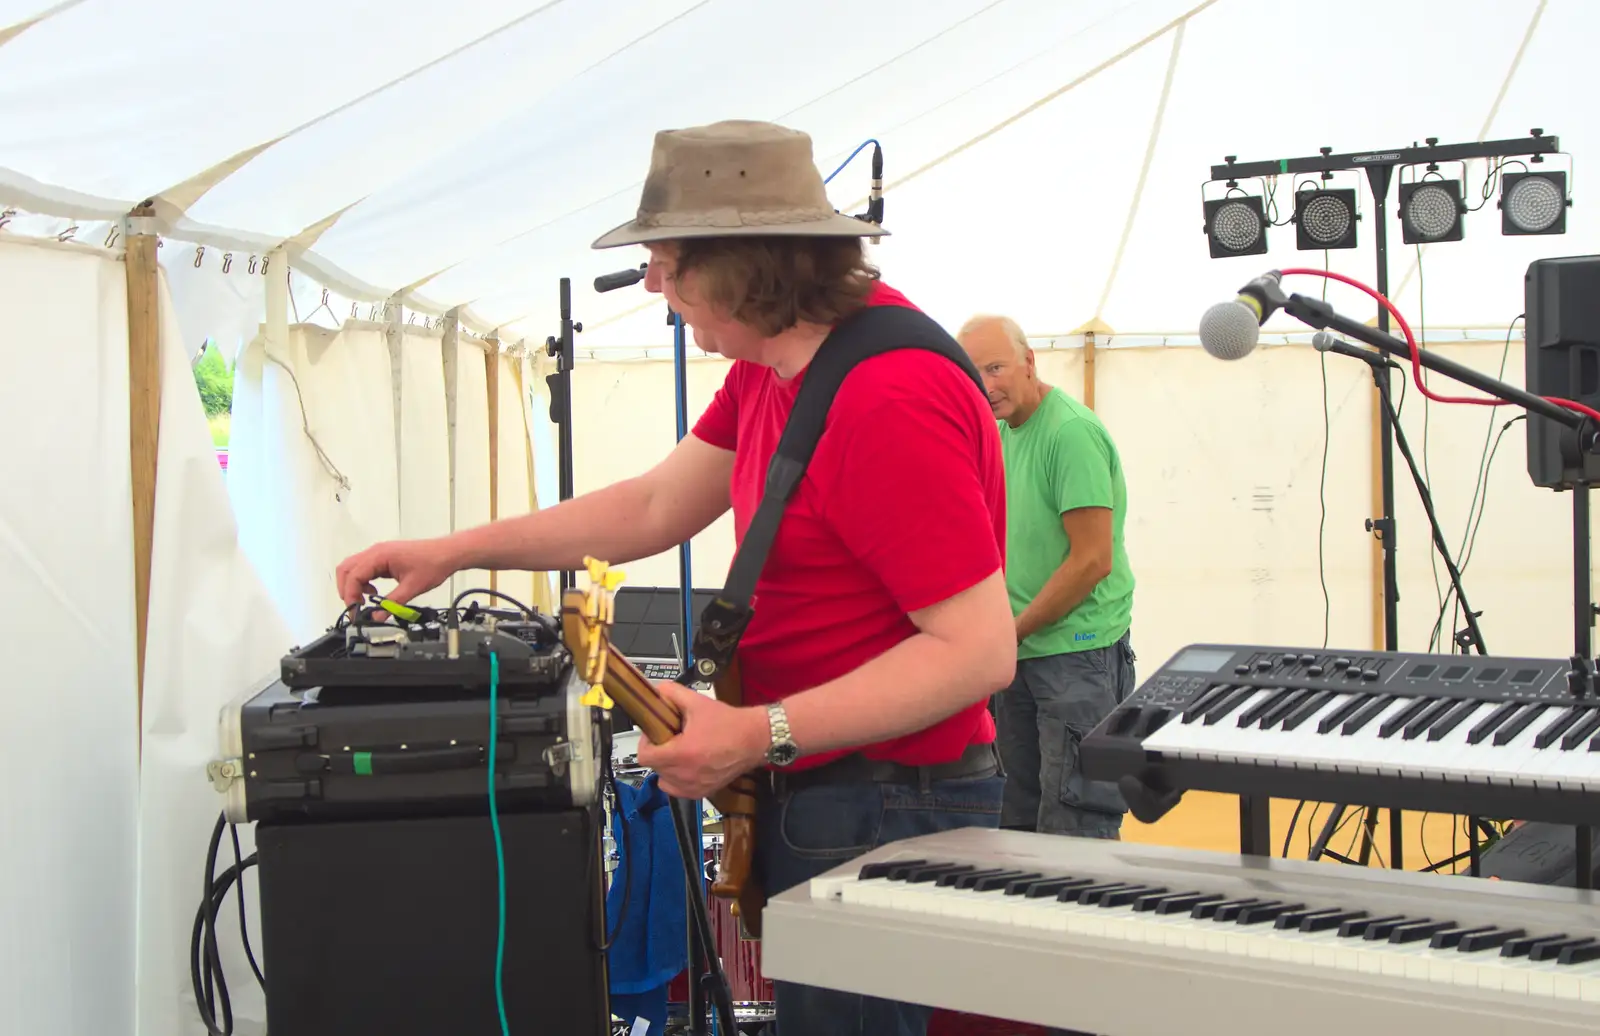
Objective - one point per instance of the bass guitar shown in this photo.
(586, 619)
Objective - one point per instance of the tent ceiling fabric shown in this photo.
(467, 156)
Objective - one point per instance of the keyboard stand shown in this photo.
(1255, 826)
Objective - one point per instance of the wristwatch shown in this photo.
(782, 751)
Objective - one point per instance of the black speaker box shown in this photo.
(389, 926)
(1561, 299)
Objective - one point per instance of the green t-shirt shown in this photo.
(1062, 459)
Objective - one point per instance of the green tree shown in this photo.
(214, 379)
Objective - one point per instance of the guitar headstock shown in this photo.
(586, 620)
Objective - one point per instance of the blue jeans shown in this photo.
(804, 833)
(1053, 702)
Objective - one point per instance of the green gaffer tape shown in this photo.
(363, 763)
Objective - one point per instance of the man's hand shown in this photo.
(417, 566)
(719, 742)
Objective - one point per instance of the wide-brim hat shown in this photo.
(734, 178)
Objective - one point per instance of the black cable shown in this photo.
(205, 962)
(1322, 529)
(1427, 427)
(244, 925)
(610, 774)
(1480, 487)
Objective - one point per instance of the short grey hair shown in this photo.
(1012, 330)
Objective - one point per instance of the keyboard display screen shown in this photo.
(1201, 660)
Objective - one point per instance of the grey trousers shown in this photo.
(1051, 705)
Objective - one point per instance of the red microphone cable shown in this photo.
(1416, 360)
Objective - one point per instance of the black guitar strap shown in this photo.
(867, 333)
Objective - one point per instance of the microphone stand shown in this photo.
(560, 385)
(1471, 637)
(1581, 678)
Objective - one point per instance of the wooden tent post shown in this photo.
(144, 413)
(1088, 369)
(491, 361)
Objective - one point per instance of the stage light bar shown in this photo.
(1533, 203)
(1325, 218)
(1236, 225)
(1431, 211)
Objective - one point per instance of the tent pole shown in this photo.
(144, 414)
(491, 370)
(1088, 369)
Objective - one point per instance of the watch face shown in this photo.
(783, 754)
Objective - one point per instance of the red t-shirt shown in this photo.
(902, 506)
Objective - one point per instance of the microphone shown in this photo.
(1323, 342)
(1230, 330)
(620, 279)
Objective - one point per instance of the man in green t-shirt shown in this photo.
(1071, 589)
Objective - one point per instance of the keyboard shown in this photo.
(1122, 939)
(1468, 734)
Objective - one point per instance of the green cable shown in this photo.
(499, 845)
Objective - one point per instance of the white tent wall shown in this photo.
(215, 635)
(68, 748)
(470, 433)
(424, 452)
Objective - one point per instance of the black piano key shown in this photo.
(1476, 942)
(1228, 912)
(1558, 726)
(1206, 698)
(1358, 926)
(990, 882)
(1122, 897)
(1308, 708)
(1367, 713)
(1342, 712)
(1049, 887)
(1452, 719)
(1146, 903)
(1262, 706)
(1285, 705)
(1580, 953)
(1185, 903)
(932, 871)
(1220, 710)
(1450, 937)
(1553, 950)
(1294, 918)
(1487, 725)
(1092, 895)
(1524, 946)
(882, 868)
(1323, 920)
(1518, 723)
(1396, 720)
(1266, 912)
(1416, 931)
(1075, 893)
(1427, 717)
(1584, 728)
(1383, 927)
(965, 879)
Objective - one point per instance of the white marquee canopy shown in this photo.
(1044, 158)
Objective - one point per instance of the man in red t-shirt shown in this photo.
(881, 619)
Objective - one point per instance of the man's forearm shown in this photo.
(1069, 586)
(908, 688)
(611, 524)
